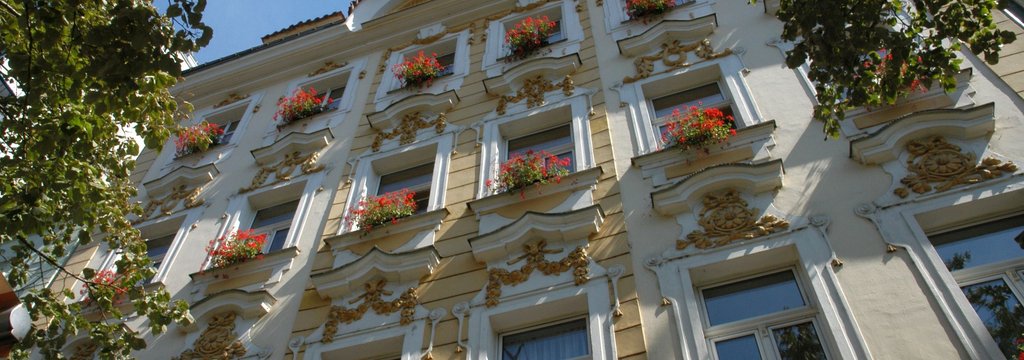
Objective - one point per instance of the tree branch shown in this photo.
(10, 9)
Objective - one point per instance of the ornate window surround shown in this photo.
(353, 71)
(248, 308)
(180, 223)
(250, 103)
(389, 91)
(495, 31)
(618, 24)
(371, 165)
(541, 298)
(904, 222)
(521, 120)
(727, 71)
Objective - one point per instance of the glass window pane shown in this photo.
(706, 94)
(278, 239)
(1000, 310)
(556, 34)
(562, 341)
(754, 297)
(741, 348)
(275, 214)
(448, 61)
(157, 248)
(798, 342)
(415, 179)
(982, 244)
(557, 141)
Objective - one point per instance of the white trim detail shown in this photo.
(495, 48)
(390, 89)
(329, 119)
(618, 24)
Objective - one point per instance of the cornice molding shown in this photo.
(679, 197)
(685, 31)
(887, 143)
(568, 227)
(397, 268)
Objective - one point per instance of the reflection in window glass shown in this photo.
(275, 221)
(741, 348)
(557, 141)
(709, 94)
(983, 244)
(798, 342)
(562, 341)
(1000, 310)
(416, 179)
(754, 297)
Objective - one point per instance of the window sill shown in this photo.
(264, 272)
(422, 89)
(541, 51)
(302, 122)
(748, 144)
(415, 223)
(569, 183)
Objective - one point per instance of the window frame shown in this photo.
(390, 88)
(272, 229)
(542, 326)
(727, 71)
(620, 26)
(569, 22)
(372, 165)
(520, 121)
(156, 228)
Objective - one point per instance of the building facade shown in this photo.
(898, 240)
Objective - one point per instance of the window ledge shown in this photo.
(747, 144)
(243, 275)
(415, 223)
(572, 182)
(532, 67)
(887, 143)
(682, 196)
(665, 31)
(301, 124)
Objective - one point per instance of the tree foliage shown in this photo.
(88, 71)
(874, 52)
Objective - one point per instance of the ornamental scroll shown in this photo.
(673, 55)
(328, 66)
(166, 205)
(533, 91)
(935, 164)
(406, 130)
(283, 170)
(577, 260)
(726, 218)
(372, 298)
(231, 99)
(218, 341)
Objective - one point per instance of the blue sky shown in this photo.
(239, 24)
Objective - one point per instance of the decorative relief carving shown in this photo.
(218, 341)
(328, 66)
(166, 205)
(406, 130)
(726, 218)
(935, 164)
(85, 351)
(230, 99)
(577, 260)
(673, 55)
(533, 91)
(284, 169)
(372, 298)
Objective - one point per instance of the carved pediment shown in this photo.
(571, 227)
(674, 54)
(937, 165)
(232, 98)
(179, 189)
(371, 298)
(249, 305)
(685, 195)
(543, 67)
(887, 143)
(399, 268)
(534, 258)
(218, 341)
(533, 91)
(666, 31)
(405, 118)
(292, 155)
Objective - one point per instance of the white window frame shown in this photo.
(272, 229)
(219, 152)
(372, 165)
(835, 325)
(242, 209)
(907, 226)
(495, 51)
(726, 71)
(158, 227)
(333, 117)
(390, 88)
(620, 26)
(553, 323)
(411, 337)
(495, 139)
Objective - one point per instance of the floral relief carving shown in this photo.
(673, 55)
(406, 130)
(935, 164)
(328, 66)
(230, 99)
(372, 298)
(726, 218)
(283, 170)
(533, 91)
(85, 351)
(166, 205)
(218, 341)
(533, 254)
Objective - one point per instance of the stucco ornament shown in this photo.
(726, 218)
(673, 55)
(85, 351)
(533, 254)
(406, 130)
(533, 91)
(935, 164)
(218, 341)
(328, 66)
(372, 298)
(283, 170)
(231, 99)
(166, 205)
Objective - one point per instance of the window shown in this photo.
(561, 341)
(553, 14)
(1015, 11)
(557, 141)
(706, 96)
(157, 248)
(275, 221)
(416, 179)
(334, 95)
(767, 314)
(228, 120)
(448, 61)
(987, 262)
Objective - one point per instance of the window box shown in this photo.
(620, 24)
(580, 180)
